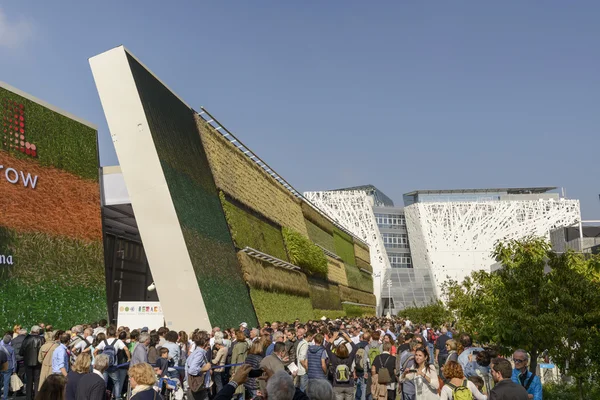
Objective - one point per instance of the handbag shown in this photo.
(15, 383)
(196, 382)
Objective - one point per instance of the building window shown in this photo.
(400, 260)
(395, 240)
(390, 221)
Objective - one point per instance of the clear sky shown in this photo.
(402, 94)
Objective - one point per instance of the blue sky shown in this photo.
(403, 95)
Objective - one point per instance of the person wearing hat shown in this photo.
(244, 328)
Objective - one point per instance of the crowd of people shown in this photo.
(347, 359)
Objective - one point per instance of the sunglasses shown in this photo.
(518, 361)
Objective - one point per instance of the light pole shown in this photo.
(378, 275)
(389, 285)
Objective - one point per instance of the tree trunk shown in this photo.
(533, 360)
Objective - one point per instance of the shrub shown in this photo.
(304, 253)
(262, 275)
(248, 230)
(324, 295)
(436, 313)
(565, 391)
(359, 280)
(344, 246)
(271, 306)
(353, 311)
(319, 236)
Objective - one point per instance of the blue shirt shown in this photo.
(194, 364)
(270, 349)
(60, 359)
(10, 354)
(463, 358)
(535, 388)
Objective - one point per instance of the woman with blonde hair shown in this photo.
(142, 379)
(255, 356)
(452, 348)
(16, 330)
(46, 352)
(81, 367)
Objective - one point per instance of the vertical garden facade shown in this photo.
(255, 250)
(51, 254)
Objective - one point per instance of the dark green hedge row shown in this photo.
(272, 306)
(61, 142)
(196, 201)
(60, 302)
(344, 246)
(319, 236)
(324, 295)
(247, 229)
(359, 280)
(304, 253)
(353, 311)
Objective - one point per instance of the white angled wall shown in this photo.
(354, 211)
(456, 238)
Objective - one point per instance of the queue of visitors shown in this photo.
(347, 359)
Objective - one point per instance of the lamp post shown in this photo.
(389, 285)
(378, 275)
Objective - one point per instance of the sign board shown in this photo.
(139, 314)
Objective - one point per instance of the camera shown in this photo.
(255, 373)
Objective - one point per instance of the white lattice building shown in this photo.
(354, 211)
(372, 216)
(453, 232)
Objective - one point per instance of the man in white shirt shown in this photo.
(302, 360)
(115, 375)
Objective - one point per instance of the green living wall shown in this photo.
(196, 201)
(358, 279)
(305, 254)
(324, 296)
(319, 236)
(51, 253)
(344, 246)
(249, 230)
(273, 306)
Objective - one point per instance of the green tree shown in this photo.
(576, 309)
(435, 313)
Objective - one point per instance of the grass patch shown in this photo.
(262, 275)
(331, 314)
(344, 246)
(248, 230)
(61, 142)
(353, 311)
(304, 253)
(57, 301)
(324, 296)
(319, 236)
(359, 280)
(357, 296)
(272, 306)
